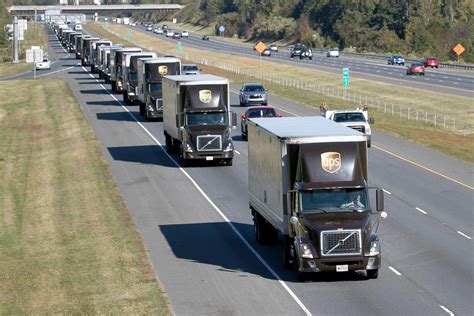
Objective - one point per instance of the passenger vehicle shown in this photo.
(431, 62)
(266, 52)
(205, 37)
(176, 35)
(190, 69)
(78, 27)
(253, 93)
(149, 28)
(273, 47)
(157, 30)
(169, 33)
(253, 112)
(396, 60)
(306, 53)
(333, 52)
(184, 34)
(296, 50)
(356, 119)
(43, 65)
(416, 68)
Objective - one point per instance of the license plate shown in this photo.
(342, 268)
(209, 158)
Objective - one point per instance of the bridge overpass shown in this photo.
(29, 10)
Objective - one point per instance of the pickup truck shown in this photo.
(356, 119)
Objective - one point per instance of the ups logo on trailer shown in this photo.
(205, 96)
(331, 161)
(163, 70)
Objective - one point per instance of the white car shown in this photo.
(159, 30)
(149, 28)
(356, 119)
(43, 65)
(184, 34)
(333, 52)
(78, 27)
(169, 33)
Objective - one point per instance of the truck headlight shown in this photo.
(374, 248)
(306, 251)
(187, 147)
(150, 108)
(230, 146)
(368, 130)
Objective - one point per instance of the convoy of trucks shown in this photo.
(307, 176)
(149, 83)
(308, 180)
(197, 120)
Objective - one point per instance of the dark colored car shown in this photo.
(416, 68)
(396, 60)
(253, 112)
(205, 37)
(306, 53)
(431, 62)
(267, 52)
(297, 50)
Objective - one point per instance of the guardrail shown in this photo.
(414, 115)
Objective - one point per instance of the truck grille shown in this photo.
(341, 242)
(359, 128)
(209, 143)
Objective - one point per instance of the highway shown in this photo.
(438, 80)
(197, 228)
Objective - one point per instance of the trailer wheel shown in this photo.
(288, 260)
(113, 84)
(372, 274)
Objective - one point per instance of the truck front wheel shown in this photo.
(264, 231)
(288, 260)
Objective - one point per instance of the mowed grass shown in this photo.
(445, 141)
(67, 241)
(33, 37)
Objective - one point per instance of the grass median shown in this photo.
(33, 37)
(443, 140)
(67, 242)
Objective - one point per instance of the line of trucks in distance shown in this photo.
(308, 176)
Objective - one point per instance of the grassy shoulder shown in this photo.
(67, 242)
(445, 141)
(33, 37)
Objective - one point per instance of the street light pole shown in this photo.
(16, 32)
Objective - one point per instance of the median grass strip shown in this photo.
(67, 242)
(458, 146)
(33, 37)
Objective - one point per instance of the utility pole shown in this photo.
(16, 32)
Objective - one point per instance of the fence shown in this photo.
(383, 106)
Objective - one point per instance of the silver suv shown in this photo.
(190, 69)
(253, 93)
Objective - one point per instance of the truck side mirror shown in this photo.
(380, 200)
(234, 119)
(371, 120)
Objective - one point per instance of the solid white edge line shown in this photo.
(420, 210)
(464, 235)
(395, 271)
(53, 72)
(447, 310)
(241, 237)
(387, 192)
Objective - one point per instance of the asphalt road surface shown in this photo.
(197, 227)
(438, 80)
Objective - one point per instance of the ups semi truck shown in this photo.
(196, 118)
(116, 57)
(95, 53)
(87, 50)
(308, 180)
(71, 40)
(150, 77)
(78, 45)
(65, 37)
(104, 61)
(130, 74)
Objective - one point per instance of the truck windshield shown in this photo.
(155, 87)
(206, 118)
(334, 200)
(349, 117)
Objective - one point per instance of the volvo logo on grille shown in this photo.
(331, 161)
(205, 96)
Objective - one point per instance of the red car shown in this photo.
(431, 62)
(255, 111)
(416, 68)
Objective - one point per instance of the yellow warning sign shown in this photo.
(260, 47)
(458, 49)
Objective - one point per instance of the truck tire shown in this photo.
(168, 143)
(369, 143)
(372, 274)
(92, 69)
(100, 75)
(288, 260)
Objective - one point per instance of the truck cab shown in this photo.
(130, 74)
(356, 119)
(86, 48)
(95, 53)
(116, 72)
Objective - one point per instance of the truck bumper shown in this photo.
(209, 156)
(341, 263)
(153, 113)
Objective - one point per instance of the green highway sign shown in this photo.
(180, 46)
(129, 35)
(345, 77)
